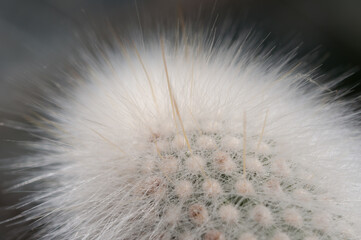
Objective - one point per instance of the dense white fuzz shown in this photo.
(172, 215)
(254, 165)
(168, 165)
(247, 236)
(179, 142)
(322, 221)
(264, 148)
(280, 236)
(279, 167)
(207, 143)
(147, 166)
(293, 218)
(231, 143)
(152, 186)
(184, 137)
(302, 195)
(211, 126)
(262, 215)
(162, 146)
(273, 187)
(184, 189)
(229, 213)
(198, 214)
(212, 188)
(244, 188)
(186, 236)
(214, 235)
(311, 238)
(195, 163)
(224, 163)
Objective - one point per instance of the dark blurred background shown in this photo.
(36, 36)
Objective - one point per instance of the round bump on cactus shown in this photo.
(273, 187)
(195, 163)
(254, 165)
(229, 213)
(198, 214)
(293, 218)
(172, 215)
(231, 143)
(244, 187)
(153, 186)
(206, 143)
(212, 188)
(262, 215)
(223, 162)
(184, 189)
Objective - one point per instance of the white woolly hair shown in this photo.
(182, 137)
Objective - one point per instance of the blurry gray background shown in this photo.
(36, 35)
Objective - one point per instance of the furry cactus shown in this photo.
(194, 139)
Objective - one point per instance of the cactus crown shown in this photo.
(185, 141)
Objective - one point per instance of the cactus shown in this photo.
(187, 140)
